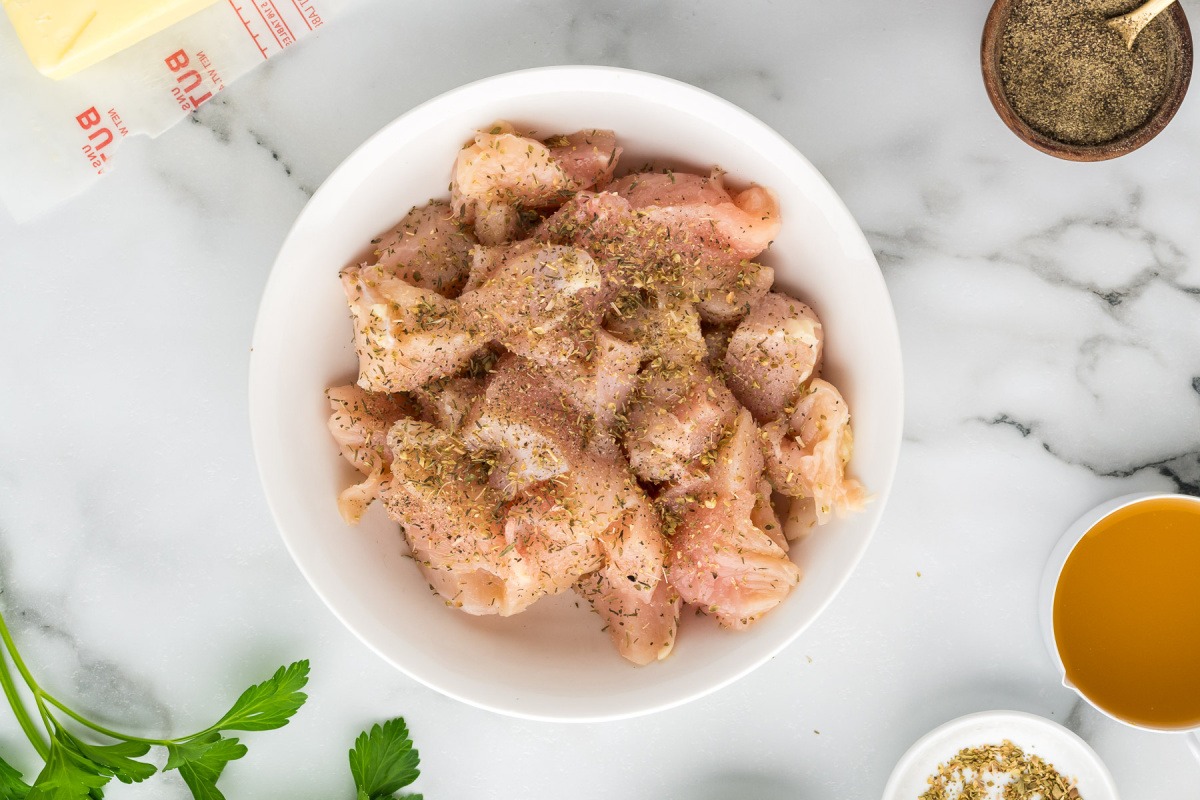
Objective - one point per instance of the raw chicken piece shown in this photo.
(672, 189)
(729, 568)
(588, 157)
(718, 559)
(771, 355)
(725, 305)
(680, 249)
(600, 222)
(666, 327)
(807, 452)
(503, 174)
(551, 547)
(480, 554)
(630, 591)
(599, 388)
(523, 427)
(676, 417)
(800, 519)
(405, 336)
(446, 401)
(359, 424)
(642, 630)
(429, 249)
(450, 518)
(634, 547)
(485, 259)
(638, 253)
(764, 517)
(747, 222)
(532, 300)
(535, 435)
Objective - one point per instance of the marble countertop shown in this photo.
(1050, 320)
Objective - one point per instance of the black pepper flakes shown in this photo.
(1070, 77)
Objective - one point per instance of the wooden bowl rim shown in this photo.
(990, 62)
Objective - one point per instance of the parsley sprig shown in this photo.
(76, 769)
(382, 762)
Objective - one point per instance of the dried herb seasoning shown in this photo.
(1070, 77)
(999, 770)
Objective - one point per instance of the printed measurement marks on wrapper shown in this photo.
(274, 24)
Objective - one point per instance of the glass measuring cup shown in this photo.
(1050, 582)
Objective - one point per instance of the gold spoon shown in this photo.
(1131, 24)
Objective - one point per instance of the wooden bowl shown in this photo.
(1180, 36)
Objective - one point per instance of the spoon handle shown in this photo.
(1131, 24)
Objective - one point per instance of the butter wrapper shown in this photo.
(61, 136)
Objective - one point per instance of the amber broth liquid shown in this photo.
(1127, 614)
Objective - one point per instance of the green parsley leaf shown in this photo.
(270, 704)
(67, 776)
(384, 761)
(11, 785)
(115, 760)
(200, 761)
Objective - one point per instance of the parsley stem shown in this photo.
(18, 707)
(82, 720)
(16, 656)
(41, 697)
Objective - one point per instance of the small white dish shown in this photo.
(552, 662)
(1054, 567)
(1070, 755)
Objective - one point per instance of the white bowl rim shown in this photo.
(998, 718)
(636, 83)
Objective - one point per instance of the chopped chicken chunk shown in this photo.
(667, 328)
(449, 516)
(532, 301)
(359, 424)
(405, 336)
(748, 221)
(429, 249)
(445, 402)
(807, 453)
(599, 389)
(503, 174)
(728, 304)
(676, 417)
(643, 630)
(772, 354)
(719, 560)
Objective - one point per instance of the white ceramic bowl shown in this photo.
(1036, 735)
(551, 662)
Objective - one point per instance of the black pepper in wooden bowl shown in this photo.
(1065, 82)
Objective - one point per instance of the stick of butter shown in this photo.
(64, 36)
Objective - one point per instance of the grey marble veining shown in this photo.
(1050, 320)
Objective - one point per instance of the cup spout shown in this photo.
(1193, 740)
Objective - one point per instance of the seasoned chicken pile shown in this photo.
(574, 382)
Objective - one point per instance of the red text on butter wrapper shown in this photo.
(187, 81)
(100, 135)
(207, 64)
(308, 13)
